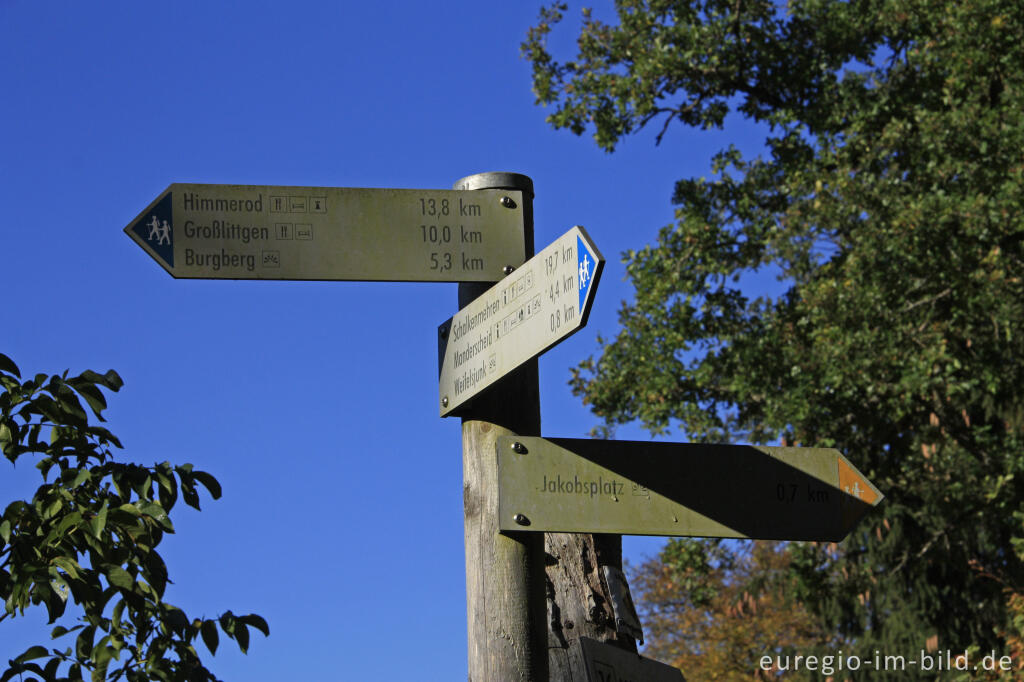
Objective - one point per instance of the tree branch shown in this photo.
(928, 301)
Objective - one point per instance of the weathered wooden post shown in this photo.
(505, 601)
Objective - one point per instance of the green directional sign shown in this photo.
(329, 233)
(679, 489)
(538, 305)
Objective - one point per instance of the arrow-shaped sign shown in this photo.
(679, 489)
(329, 233)
(520, 317)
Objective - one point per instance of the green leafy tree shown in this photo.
(89, 535)
(888, 198)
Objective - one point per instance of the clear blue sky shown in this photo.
(313, 403)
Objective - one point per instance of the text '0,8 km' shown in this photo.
(325, 233)
(531, 310)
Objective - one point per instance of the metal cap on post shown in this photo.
(496, 180)
(505, 598)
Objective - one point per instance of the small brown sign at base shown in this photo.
(606, 663)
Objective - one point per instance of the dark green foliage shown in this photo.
(89, 536)
(890, 197)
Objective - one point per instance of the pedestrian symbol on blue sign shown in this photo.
(155, 228)
(159, 231)
(586, 264)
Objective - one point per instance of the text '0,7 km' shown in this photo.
(540, 304)
(324, 233)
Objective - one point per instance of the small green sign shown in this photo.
(330, 233)
(679, 489)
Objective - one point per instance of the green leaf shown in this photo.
(209, 482)
(188, 492)
(109, 380)
(99, 673)
(116, 615)
(5, 530)
(84, 642)
(22, 668)
(257, 622)
(71, 406)
(93, 396)
(50, 670)
(7, 365)
(69, 565)
(154, 510)
(32, 653)
(52, 508)
(176, 617)
(99, 522)
(112, 380)
(60, 631)
(6, 437)
(101, 656)
(242, 637)
(54, 595)
(69, 519)
(81, 477)
(156, 572)
(210, 635)
(118, 577)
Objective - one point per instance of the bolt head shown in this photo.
(519, 448)
(508, 269)
(521, 519)
(507, 202)
(444, 401)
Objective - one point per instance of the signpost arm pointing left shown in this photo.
(332, 233)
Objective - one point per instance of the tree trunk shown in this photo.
(579, 599)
